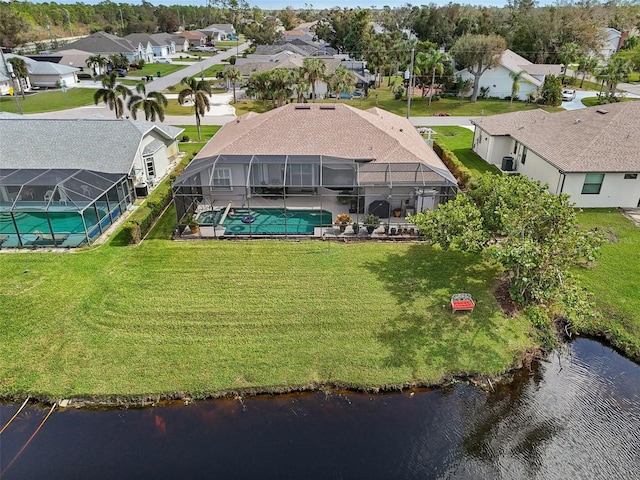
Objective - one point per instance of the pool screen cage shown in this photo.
(59, 207)
(214, 187)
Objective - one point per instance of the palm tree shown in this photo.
(153, 104)
(97, 63)
(314, 69)
(434, 63)
(342, 80)
(233, 76)
(616, 70)
(299, 84)
(586, 66)
(280, 83)
(196, 91)
(515, 86)
(21, 72)
(259, 85)
(568, 54)
(111, 92)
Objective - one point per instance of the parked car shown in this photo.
(568, 95)
(204, 48)
(163, 60)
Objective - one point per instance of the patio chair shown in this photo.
(462, 301)
(48, 196)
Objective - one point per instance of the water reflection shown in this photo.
(576, 415)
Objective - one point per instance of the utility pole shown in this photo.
(9, 69)
(413, 51)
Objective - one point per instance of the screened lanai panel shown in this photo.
(266, 171)
(374, 174)
(302, 171)
(338, 173)
(413, 174)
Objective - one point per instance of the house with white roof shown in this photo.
(591, 154)
(499, 83)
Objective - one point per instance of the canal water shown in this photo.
(575, 416)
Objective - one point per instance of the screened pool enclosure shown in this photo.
(59, 207)
(257, 195)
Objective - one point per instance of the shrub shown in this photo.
(185, 138)
(141, 63)
(459, 170)
(140, 221)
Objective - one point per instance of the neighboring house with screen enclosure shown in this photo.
(590, 154)
(65, 182)
(293, 169)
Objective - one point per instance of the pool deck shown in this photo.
(330, 232)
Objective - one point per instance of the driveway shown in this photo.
(580, 94)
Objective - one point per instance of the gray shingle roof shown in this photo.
(604, 138)
(103, 43)
(327, 129)
(100, 145)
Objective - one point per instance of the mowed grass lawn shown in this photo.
(49, 101)
(207, 317)
(615, 280)
(459, 141)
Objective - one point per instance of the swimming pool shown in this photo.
(268, 221)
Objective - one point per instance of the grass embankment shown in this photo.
(49, 101)
(207, 317)
(615, 281)
(593, 101)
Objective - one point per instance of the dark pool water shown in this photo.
(576, 416)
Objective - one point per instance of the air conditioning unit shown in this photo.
(508, 164)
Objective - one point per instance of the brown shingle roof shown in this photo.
(336, 130)
(585, 140)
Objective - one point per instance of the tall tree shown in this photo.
(299, 84)
(259, 85)
(197, 92)
(233, 76)
(14, 28)
(314, 70)
(280, 83)
(568, 54)
(539, 239)
(478, 53)
(515, 77)
(586, 66)
(21, 72)
(152, 103)
(342, 80)
(112, 94)
(97, 63)
(434, 62)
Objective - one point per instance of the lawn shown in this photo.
(459, 140)
(615, 280)
(593, 101)
(211, 316)
(383, 97)
(154, 68)
(49, 101)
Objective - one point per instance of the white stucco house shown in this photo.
(499, 83)
(592, 154)
(611, 40)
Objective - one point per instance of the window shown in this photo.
(630, 176)
(592, 183)
(151, 169)
(222, 177)
(524, 155)
(515, 147)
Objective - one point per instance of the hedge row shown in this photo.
(459, 170)
(140, 221)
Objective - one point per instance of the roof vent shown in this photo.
(578, 121)
(302, 107)
(327, 107)
(602, 111)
